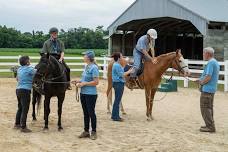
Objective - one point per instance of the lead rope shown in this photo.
(77, 94)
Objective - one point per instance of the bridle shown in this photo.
(179, 68)
(50, 80)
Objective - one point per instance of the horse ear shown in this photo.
(178, 51)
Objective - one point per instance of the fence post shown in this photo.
(186, 80)
(226, 76)
(105, 67)
(18, 60)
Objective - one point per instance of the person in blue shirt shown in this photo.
(118, 81)
(208, 82)
(88, 95)
(143, 49)
(25, 75)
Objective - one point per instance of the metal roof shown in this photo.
(198, 12)
(212, 10)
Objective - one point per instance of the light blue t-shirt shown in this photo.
(91, 71)
(117, 73)
(211, 69)
(143, 43)
(25, 76)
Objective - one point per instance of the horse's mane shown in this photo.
(44, 60)
(167, 54)
(56, 63)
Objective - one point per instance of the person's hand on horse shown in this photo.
(154, 60)
(61, 60)
(131, 70)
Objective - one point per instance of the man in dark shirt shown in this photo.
(56, 48)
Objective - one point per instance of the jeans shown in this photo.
(88, 105)
(137, 62)
(118, 88)
(23, 97)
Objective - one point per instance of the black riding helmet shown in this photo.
(53, 29)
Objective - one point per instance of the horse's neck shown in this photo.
(165, 62)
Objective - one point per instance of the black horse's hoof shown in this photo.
(45, 128)
(60, 128)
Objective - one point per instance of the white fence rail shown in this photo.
(196, 67)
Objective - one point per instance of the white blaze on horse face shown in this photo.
(184, 65)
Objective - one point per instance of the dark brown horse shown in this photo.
(152, 75)
(52, 76)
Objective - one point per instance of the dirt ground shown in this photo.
(175, 127)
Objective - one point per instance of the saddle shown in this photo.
(136, 83)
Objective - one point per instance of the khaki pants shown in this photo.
(206, 106)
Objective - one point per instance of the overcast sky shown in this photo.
(26, 15)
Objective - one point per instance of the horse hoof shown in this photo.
(150, 118)
(45, 129)
(34, 119)
(124, 113)
(60, 128)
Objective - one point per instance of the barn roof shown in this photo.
(198, 12)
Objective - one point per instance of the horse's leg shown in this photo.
(153, 91)
(46, 110)
(60, 105)
(109, 102)
(34, 105)
(147, 94)
(122, 108)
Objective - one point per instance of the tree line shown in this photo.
(80, 38)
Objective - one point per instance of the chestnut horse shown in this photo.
(152, 76)
(123, 63)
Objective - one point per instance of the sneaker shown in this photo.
(119, 119)
(16, 126)
(203, 127)
(25, 130)
(206, 129)
(84, 134)
(93, 135)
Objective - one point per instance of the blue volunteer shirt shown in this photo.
(25, 76)
(91, 71)
(117, 73)
(212, 69)
(143, 43)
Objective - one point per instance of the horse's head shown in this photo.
(42, 67)
(180, 64)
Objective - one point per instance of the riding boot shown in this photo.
(67, 69)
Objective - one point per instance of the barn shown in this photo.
(187, 24)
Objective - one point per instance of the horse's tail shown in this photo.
(37, 99)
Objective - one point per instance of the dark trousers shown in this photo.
(118, 88)
(88, 105)
(23, 97)
(206, 106)
(67, 70)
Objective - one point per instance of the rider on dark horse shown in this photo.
(55, 47)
